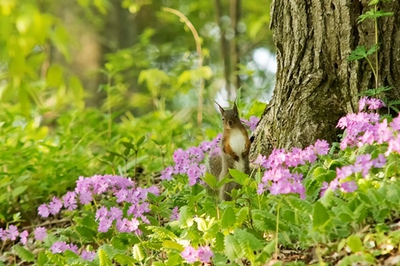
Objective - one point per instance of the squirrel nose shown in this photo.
(230, 123)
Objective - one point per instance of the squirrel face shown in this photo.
(235, 140)
(230, 118)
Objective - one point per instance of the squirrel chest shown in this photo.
(236, 147)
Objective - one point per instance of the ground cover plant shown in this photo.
(322, 204)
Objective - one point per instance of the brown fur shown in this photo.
(220, 165)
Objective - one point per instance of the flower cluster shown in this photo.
(362, 165)
(278, 178)
(61, 246)
(202, 254)
(371, 103)
(251, 123)
(189, 161)
(122, 188)
(12, 234)
(366, 129)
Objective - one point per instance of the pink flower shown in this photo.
(349, 186)
(88, 255)
(190, 254)
(58, 247)
(55, 206)
(12, 232)
(43, 210)
(205, 254)
(175, 214)
(40, 233)
(24, 237)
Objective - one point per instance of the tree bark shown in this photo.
(315, 83)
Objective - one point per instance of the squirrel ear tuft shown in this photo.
(220, 108)
(235, 107)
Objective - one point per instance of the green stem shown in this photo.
(109, 104)
(373, 71)
(197, 40)
(277, 230)
(376, 53)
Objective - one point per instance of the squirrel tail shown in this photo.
(214, 165)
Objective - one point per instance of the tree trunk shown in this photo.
(315, 83)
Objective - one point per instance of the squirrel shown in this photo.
(235, 148)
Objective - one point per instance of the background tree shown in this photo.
(316, 84)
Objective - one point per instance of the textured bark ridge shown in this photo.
(315, 84)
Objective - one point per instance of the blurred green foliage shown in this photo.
(59, 121)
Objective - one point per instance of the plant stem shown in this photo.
(109, 104)
(277, 230)
(376, 53)
(200, 62)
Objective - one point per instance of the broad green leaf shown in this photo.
(185, 217)
(123, 259)
(359, 53)
(172, 245)
(242, 215)
(232, 248)
(75, 85)
(263, 220)
(162, 232)
(86, 233)
(23, 253)
(138, 253)
(201, 224)
(54, 76)
(238, 176)
(42, 259)
(174, 259)
(228, 218)
(19, 190)
(354, 243)
(141, 140)
(248, 241)
(320, 216)
(210, 180)
(104, 259)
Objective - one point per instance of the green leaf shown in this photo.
(232, 248)
(140, 141)
(19, 190)
(162, 232)
(211, 181)
(75, 85)
(42, 259)
(263, 220)
(320, 216)
(354, 243)
(248, 241)
(219, 241)
(24, 254)
(86, 233)
(242, 215)
(137, 252)
(185, 217)
(128, 145)
(374, 14)
(172, 245)
(228, 218)
(104, 259)
(238, 176)
(54, 76)
(123, 259)
(359, 53)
